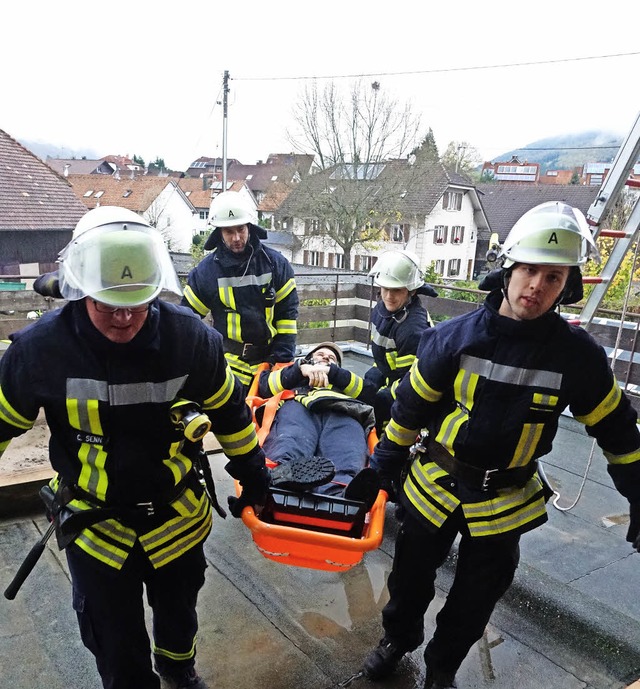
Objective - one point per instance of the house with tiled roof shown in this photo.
(38, 211)
(432, 212)
(81, 166)
(207, 167)
(160, 200)
(271, 181)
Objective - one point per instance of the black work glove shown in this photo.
(254, 492)
(391, 485)
(633, 533)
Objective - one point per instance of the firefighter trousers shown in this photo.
(110, 609)
(297, 432)
(484, 571)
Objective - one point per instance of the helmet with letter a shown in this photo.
(116, 258)
(552, 233)
(230, 209)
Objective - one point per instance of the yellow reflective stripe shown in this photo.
(285, 290)
(464, 388)
(177, 548)
(105, 552)
(420, 483)
(268, 317)
(177, 525)
(178, 464)
(187, 504)
(234, 332)
(227, 297)
(527, 444)
(421, 387)
(114, 530)
(84, 416)
(243, 371)
(390, 356)
(627, 458)
(354, 388)
(194, 302)
(405, 361)
(9, 415)
(93, 477)
(274, 381)
(544, 400)
(176, 656)
(513, 510)
(239, 443)
(608, 404)
(224, 392)
(450, 426)
(286, 327)
(399, 434)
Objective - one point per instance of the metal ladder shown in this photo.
(610, 192)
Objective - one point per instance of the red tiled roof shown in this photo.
(137, 194)
(193, 189)
(32, 195)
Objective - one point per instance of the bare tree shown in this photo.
(461, 156)
(360, 141)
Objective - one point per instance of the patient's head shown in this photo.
(326, 353)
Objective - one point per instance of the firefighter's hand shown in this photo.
(389, 484)
(254, 493)
(633, 533)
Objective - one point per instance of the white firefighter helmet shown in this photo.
(116, 258)
(107, 215)
(231, 208)
(552, 233)
(397, 268)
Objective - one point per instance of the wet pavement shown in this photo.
(570, 621)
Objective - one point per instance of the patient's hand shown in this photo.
(318, 374)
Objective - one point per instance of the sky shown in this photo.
(145, 78)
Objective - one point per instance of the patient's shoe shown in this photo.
(364, 486)
(304, 473)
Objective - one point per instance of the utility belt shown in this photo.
(480, 479)
(150, 508)
(246, 351)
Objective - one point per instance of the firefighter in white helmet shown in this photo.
(106, 369)
(249, 289)
(489, 388)
(397, 323)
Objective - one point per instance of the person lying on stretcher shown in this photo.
(328, 417)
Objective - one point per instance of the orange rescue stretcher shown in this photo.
(310, 529)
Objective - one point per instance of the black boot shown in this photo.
(383, 660)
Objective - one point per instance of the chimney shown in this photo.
(66, 169)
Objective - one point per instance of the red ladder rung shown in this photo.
(618, 234)
(593, 279)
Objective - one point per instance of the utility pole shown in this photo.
(225, 91)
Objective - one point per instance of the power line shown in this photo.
(613, 147)
(437, 71)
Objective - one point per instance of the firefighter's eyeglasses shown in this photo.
(103, 308)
